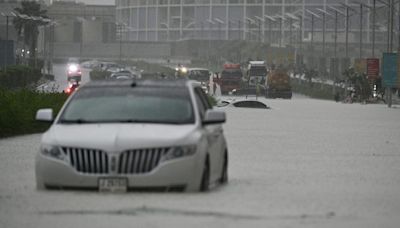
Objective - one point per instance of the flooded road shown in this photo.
(304, 163)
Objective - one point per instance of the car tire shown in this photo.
(205, 178)
(224, 174)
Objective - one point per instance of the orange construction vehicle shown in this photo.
(231, 78)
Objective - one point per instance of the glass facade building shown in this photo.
(275, 21)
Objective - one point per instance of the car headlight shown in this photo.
(73, 68)
(179, 152)
(52, 151)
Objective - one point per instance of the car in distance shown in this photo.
(124, 74)
(121, 135)
(74, 72)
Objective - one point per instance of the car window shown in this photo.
(204, 98)
(200, 75)
(250, 104)
(200, 104)
(120, 104)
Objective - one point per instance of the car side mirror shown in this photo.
(45, 115)
(214, 117)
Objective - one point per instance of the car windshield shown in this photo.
(258, 71)
(234, 74)
(130, 105)
(200, 75)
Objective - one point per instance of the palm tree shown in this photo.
(29, 18)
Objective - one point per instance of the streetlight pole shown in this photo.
(336, 21)
(347, 32)
(260, 19)
(313, 15)
(202, 30)
(250, 22)
(229, 30)
(271, 20)
(398, 39)
(280, 29)
(347, 7)
(6, 44)
(167, 27)
(291, 18)
(373, 27)
(323, 34)
(120, 43)
(324, 13)
(259, 31)
(337, 12)
(301, 35)
(391, 24)
(312, 31)
(220, 22)
(7, 27)
(239, 29)
(361, 27)
(280, 32)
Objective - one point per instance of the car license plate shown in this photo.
(113, 184)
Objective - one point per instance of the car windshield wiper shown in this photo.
(151, 121)
(75, 121)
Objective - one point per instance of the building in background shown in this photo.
(77, 22)
(278, 22)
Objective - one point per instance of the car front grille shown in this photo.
(89, 161)
(140, 161)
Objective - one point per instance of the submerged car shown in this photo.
(134, 135)
(125, 74)
(242, 103)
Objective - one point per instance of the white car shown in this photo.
(242, 103)
(127, 135)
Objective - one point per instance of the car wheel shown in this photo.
(224, 175)
(205, 179)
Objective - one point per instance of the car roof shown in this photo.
(179, 83)
(198, 69)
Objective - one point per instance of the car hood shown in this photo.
(118, 137)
